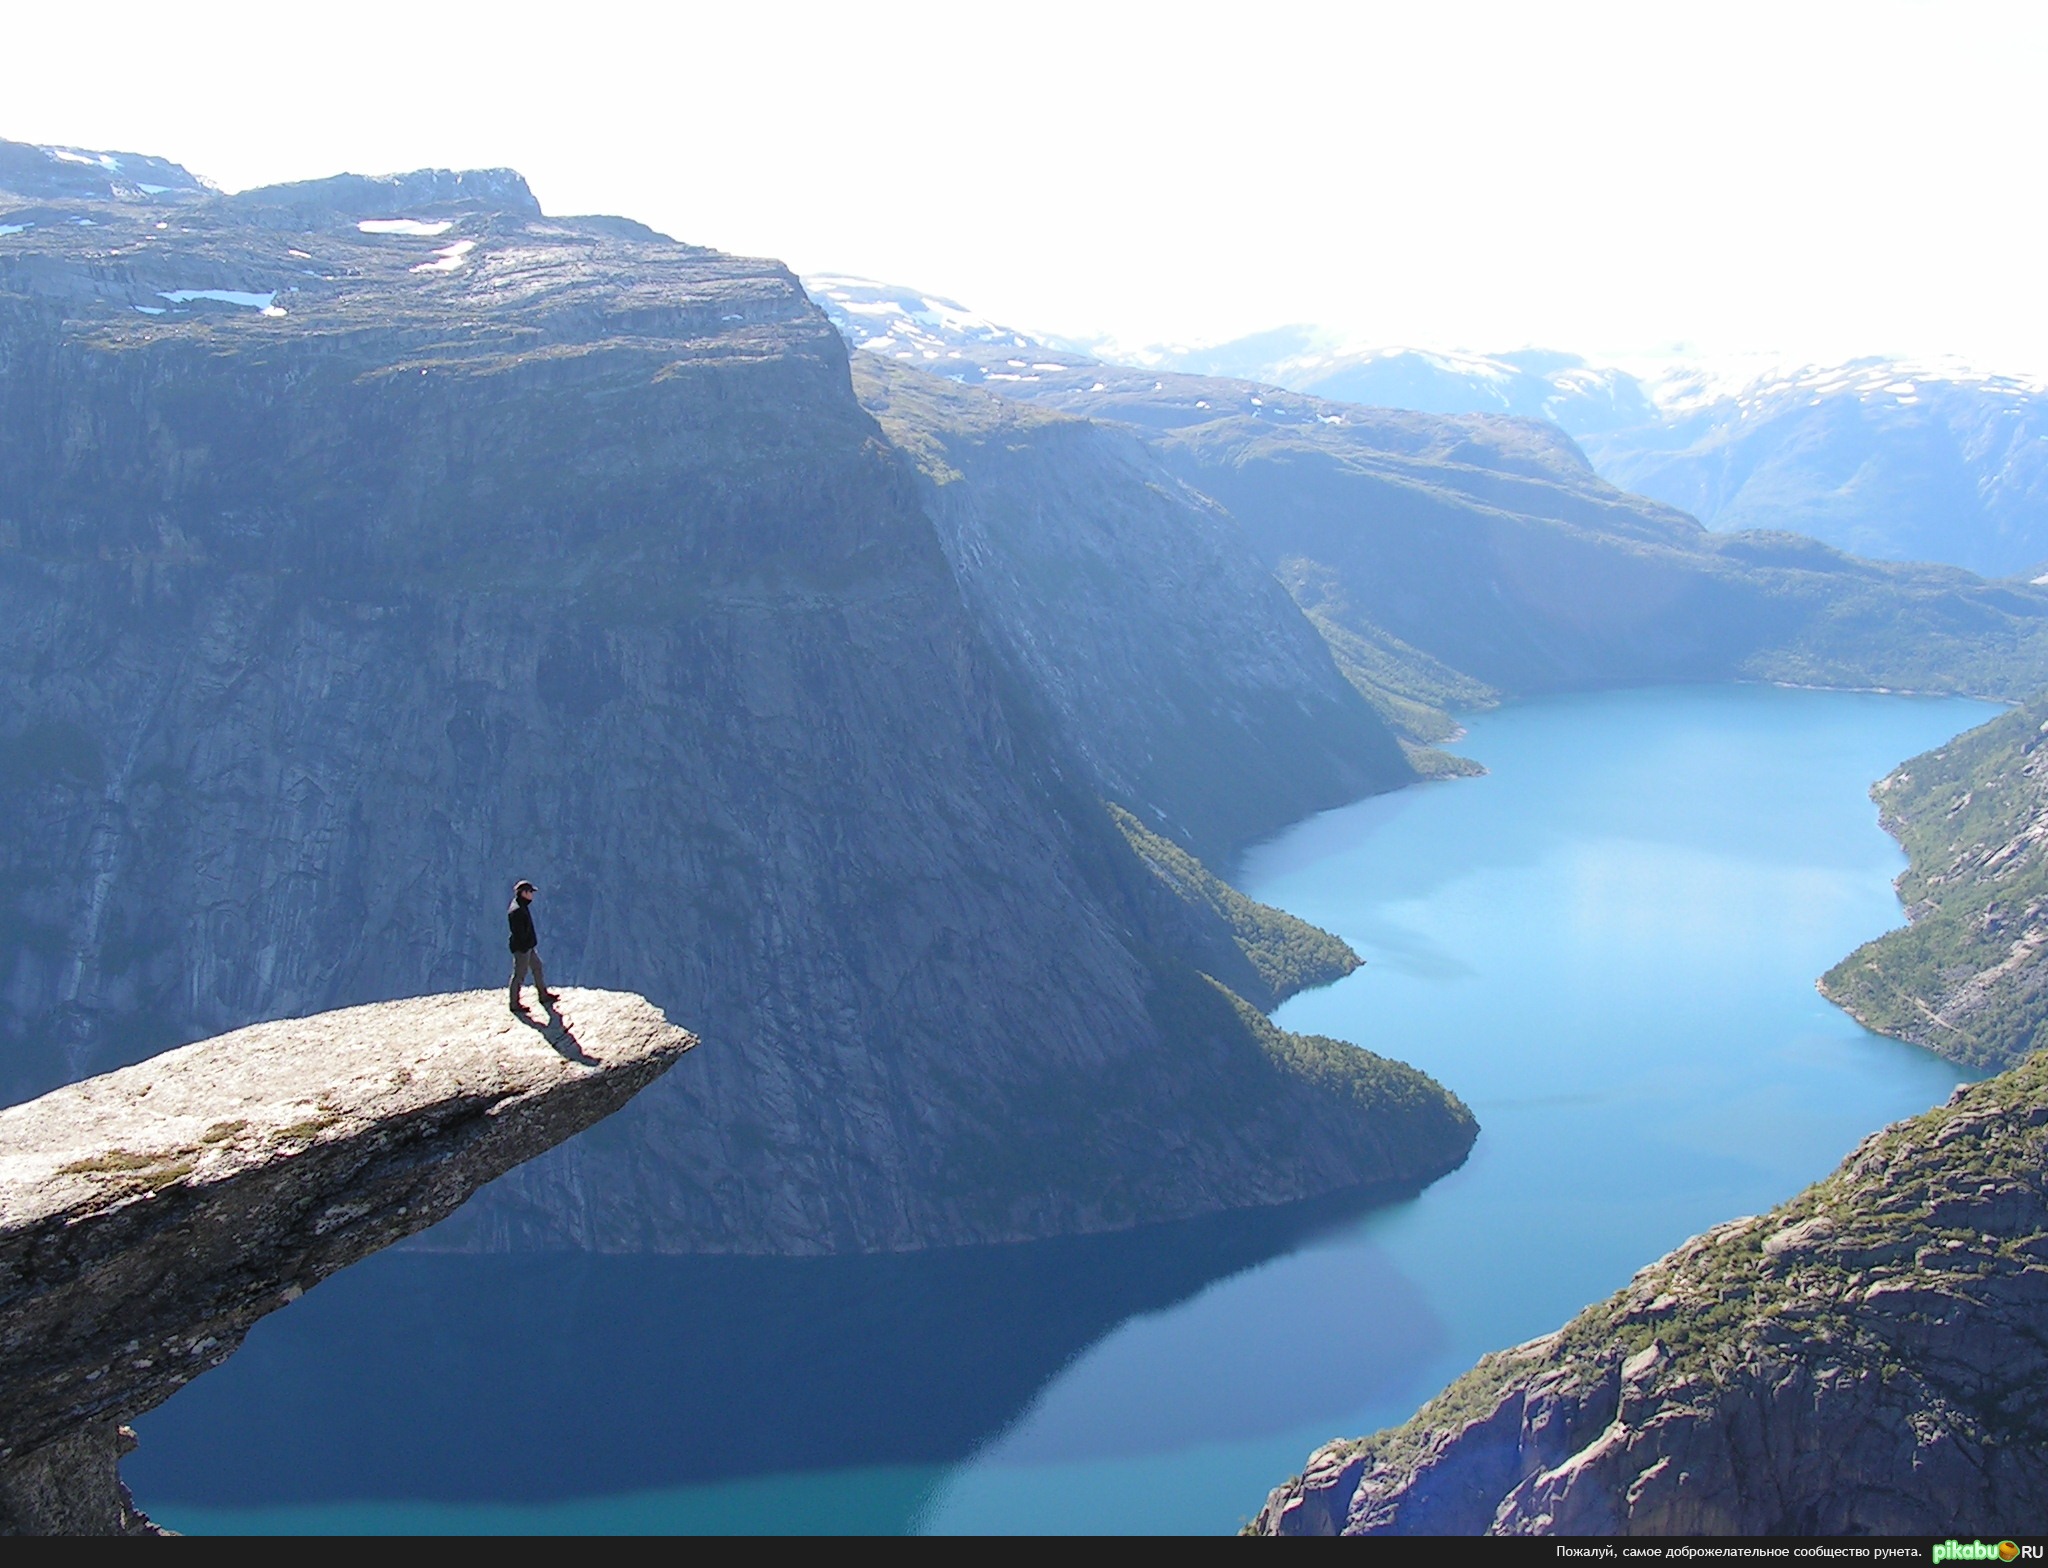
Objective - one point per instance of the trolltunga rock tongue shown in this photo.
(148, 1217)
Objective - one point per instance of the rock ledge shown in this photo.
(148, 1217)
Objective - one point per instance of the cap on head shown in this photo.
(523, 887)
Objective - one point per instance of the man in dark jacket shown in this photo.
(526, 947)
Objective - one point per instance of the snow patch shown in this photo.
(448, 258)
(151, 190)
(14, 228)
(250, 301)
(92, 160)
(151, 310)
(419, 226)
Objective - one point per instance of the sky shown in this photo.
(1803, 181)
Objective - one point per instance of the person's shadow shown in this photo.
(554, 1029)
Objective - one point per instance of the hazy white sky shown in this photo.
(1815, 180)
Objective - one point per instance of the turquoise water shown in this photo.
(1607, 946)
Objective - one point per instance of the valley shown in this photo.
(1607, 942)
(1207, 906)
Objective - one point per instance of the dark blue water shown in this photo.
(1607, 946)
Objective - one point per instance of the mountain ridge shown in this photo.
(1890, 458)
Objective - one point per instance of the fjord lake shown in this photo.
(1606, 946)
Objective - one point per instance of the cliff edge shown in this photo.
(1865, 1359)
(149, 1216)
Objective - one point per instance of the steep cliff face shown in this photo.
(150, 1216)
(1865, 1360)
(1171, 660)
(1968, 977)
(371, 543)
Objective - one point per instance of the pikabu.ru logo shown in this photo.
(1953, 1551)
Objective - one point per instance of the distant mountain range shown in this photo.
(1881, 457)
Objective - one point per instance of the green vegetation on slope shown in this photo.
(1413, 692)
(1410, 691)
(1284, 953)
(1969, 977)
(1395, 1116)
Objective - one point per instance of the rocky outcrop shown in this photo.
(1968, 976)
(150, 1216)
(1866, 1359)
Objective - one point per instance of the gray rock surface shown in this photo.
(368, 544)
(1169, 658)
(1867, 1359)
(150, 1216)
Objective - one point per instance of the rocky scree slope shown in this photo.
(1866, 1359)
(369, 543)
(1968, 977)
(150, 1216)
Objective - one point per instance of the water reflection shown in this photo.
(479, 1380)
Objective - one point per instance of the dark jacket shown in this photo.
(520, 918)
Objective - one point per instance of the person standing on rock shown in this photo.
(526, 947)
